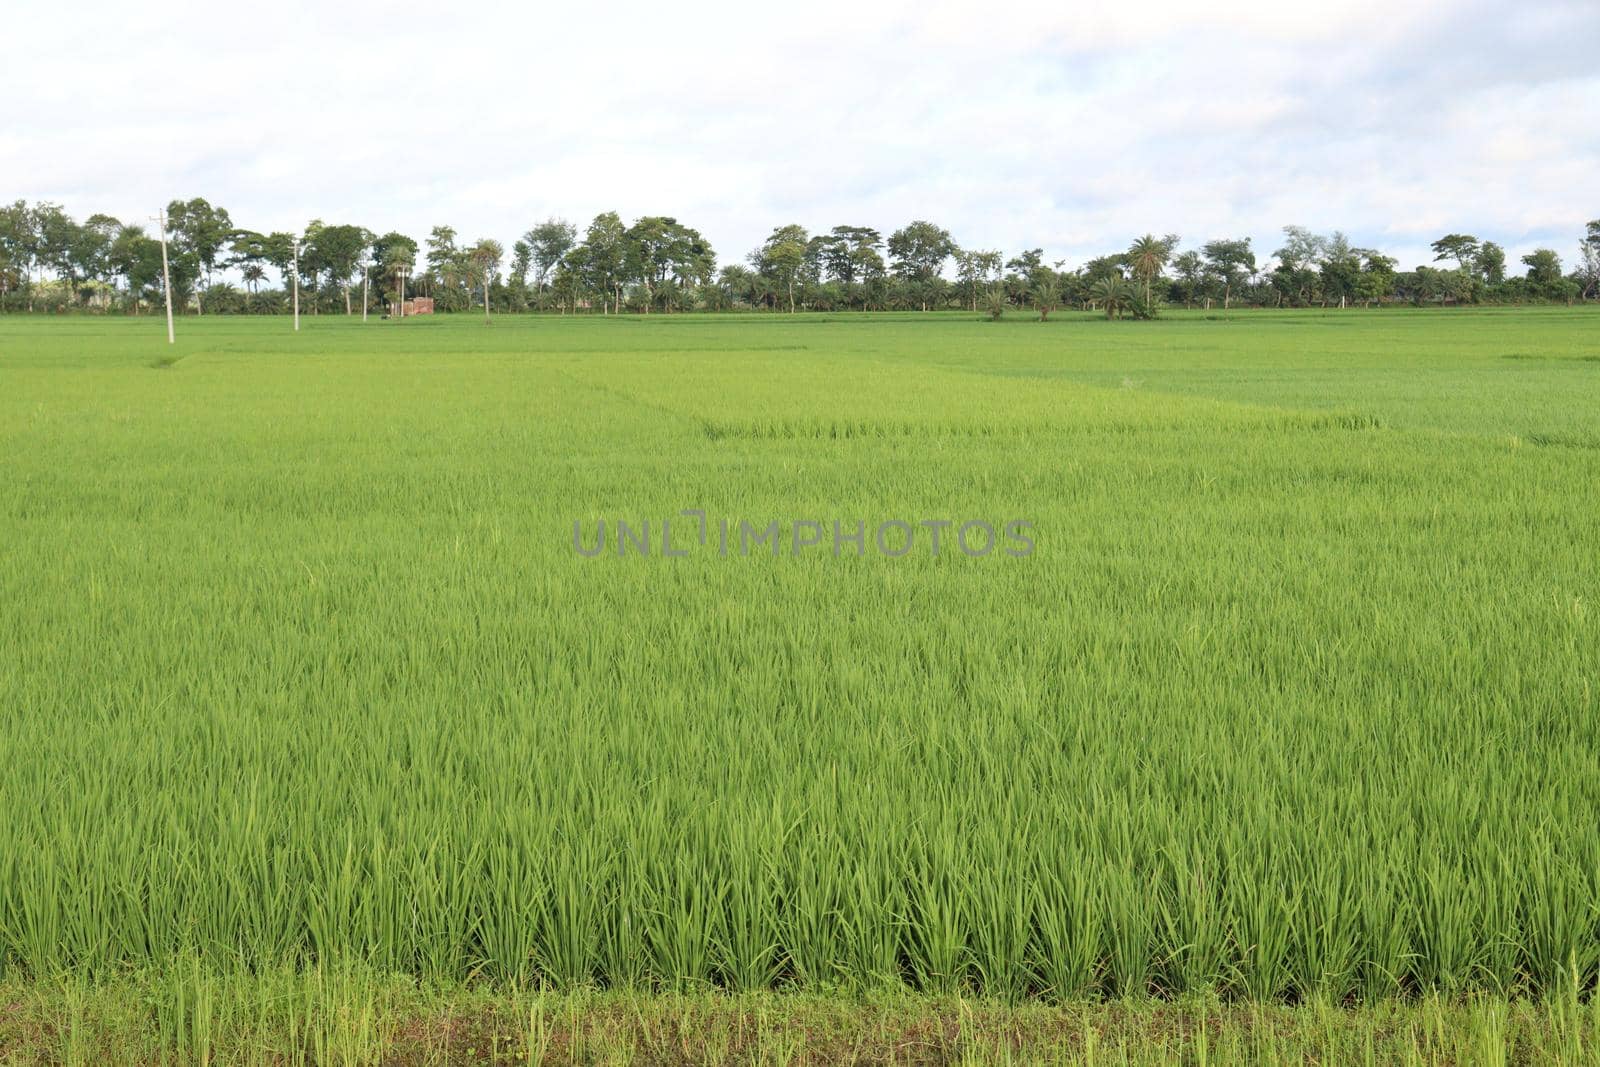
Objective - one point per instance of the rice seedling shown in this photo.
(1295, 701)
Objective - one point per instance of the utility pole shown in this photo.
(296, 286)
(401, 300)
(166, 274)
(363, 293)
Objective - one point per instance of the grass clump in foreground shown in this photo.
(1295, 702)
(187, 1015)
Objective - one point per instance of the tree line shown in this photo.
(51, 262)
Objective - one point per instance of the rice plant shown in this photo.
(1295, 701)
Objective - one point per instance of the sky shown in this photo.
(1071, 127)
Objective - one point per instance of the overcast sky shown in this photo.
(1072, 127)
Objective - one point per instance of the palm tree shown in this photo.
(995, 303)
(1047, 297)
(485, 257)
(252, 275)
(1148, 255)
(1111, 293)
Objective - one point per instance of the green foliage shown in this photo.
(548, 243)
(602, 258)
(918, 253)
(1229, 262)
(1461, 247)
(665, 256)
(301, 670)
(1544, 269)
(1113, 295)
(1588, 275)
(1046, 293)
(1490, 262)
(851, 255)
(1142, 307)
(338, 252)
(50, 262)
(1147, 257)
(976, 270)
(483, 262)
(198, 233)
(393, 259)
(995, 304)
(782, 257)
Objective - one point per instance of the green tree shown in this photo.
(1229, 262)
(1461, 247)
(1299, 260)
(1028, 272)
(341, 251)
(975, 270)
(247, 252)
(136, 257)
(781, 257)
(1490, 263)
(737, 282)
(1589, 258)
(1190, 281)
(1113, 294)
(1148, 257)
(199, 233)
(520, 263)
(995, 303)
(393, 258)
(567, 279)
(253, 274)
(661, 254)
(573, 279)
(56, 235)
(1046, 293)
(309, 265)
(19, 248)
(1340, 274)
(1377, 276)
(92, 249)
(448, 271)
(918, 253)
(852, 256)
(485, 257)
(549, 242)
(604, 257)
(1544, 273)
(277, 248)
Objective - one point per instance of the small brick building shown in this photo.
(418, 305)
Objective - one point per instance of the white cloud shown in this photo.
(1070, 126)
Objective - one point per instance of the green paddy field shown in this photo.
(322, 742)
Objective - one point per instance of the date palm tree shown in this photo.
(995, 303)
(1149, 255)
(1047, 297)
(1112, 294)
